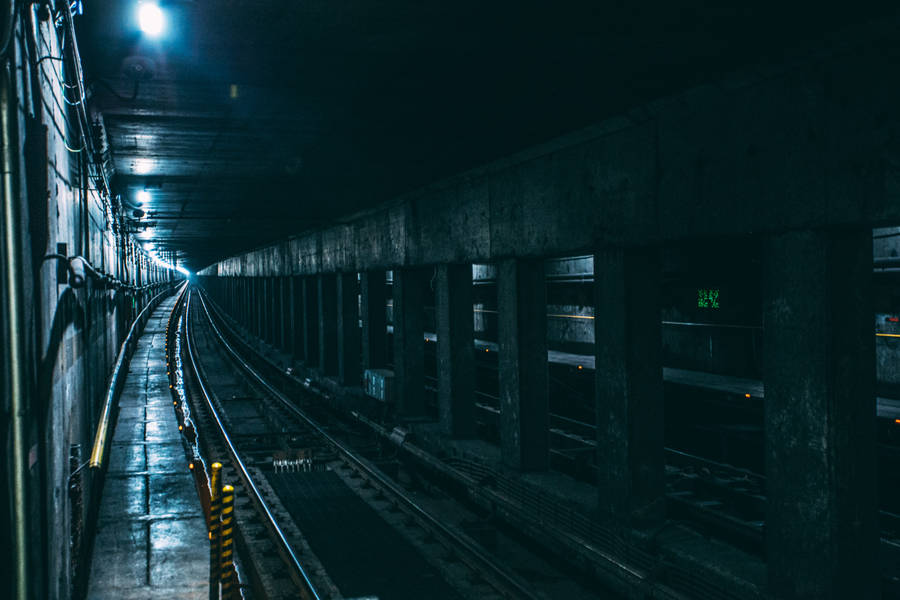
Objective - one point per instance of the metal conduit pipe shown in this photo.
(15, 315)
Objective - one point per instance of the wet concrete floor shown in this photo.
(151, 537)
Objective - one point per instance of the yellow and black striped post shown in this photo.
(226, 575)
(215, 505)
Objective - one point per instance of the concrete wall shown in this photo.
(73, 335)
(761, 151)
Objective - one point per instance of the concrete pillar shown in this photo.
(327, 290)
(246, 302)
(279, 313)
(629, 395)
(373, 290)
(256, 303)
(310, 321)
(819, 371)
(277, 319)
(242, 301)
(261, 306)
(242, 282)
(297, 319)
(455, 354)
(269, 308)
(409, 345)
(275, 311)
(348, 329)
(524, 376)
(286, 311)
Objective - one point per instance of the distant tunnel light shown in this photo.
(151, 19)
(143, 197)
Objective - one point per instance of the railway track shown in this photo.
(722, 500)
(273, 450)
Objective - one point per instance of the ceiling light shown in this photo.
(142, 166)
(143, 197)
(151, 19)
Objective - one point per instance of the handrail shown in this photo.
(115, 381)
(239, 464)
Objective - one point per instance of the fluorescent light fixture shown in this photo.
(183, 271)
(151, 19)
(142, 166)
(143, 197)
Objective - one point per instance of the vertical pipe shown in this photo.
(14, 344)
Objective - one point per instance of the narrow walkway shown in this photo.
(151, 537)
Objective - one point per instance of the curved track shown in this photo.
(283, 456)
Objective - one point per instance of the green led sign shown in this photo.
(707, 298)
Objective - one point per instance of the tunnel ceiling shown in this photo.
(252, 119)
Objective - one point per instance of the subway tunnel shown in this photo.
(409, 300)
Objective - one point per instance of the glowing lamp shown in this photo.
(151, 19)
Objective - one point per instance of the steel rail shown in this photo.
(115, 381)
(508, 580)
(288, 551)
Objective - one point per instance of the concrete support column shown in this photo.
(629, 393)
(373, 290)
(455, 354)
(242, 300)
(276, 326)
(327, 290)
(255, 284)
(310, 321)
(409, 344)
(285, 311)
(279, 313)
(524, 376)
(297, 319)
(819, 371)
(348, 329)
(275, 311)
(256, 306)
(271, 311)
(247, 301)
(262, 307)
